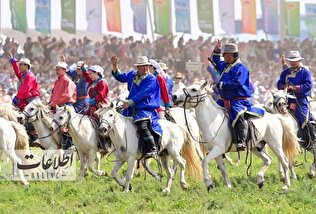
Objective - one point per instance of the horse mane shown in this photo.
(7, 112)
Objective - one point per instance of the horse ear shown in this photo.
(204, 84)
(112, 105)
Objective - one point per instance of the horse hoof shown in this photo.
(184, 186)
(285, 188)
(166, 191)
(211, 186)
(25, 183)
(260, 184)
(311, 175)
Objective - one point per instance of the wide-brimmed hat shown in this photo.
(294, 56)
(25, 61)
(62, 65)
(79, 64)
(178, 75)
(142, 60)
(163, 66)
(230, 48)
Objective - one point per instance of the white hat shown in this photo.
(79, 64)
(230, 48)
(142, 60)
(156, 65)
(163, 66)
(294, 56)
(25, 61)
(97, 68)
(62, 65)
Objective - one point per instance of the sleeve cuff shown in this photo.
(168, 105)
(116, 72)
(130, 102)
(297, 88)
(91, 101)
(84, 69)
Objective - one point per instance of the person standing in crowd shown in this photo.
(168, 79)
(63, 93)
(297, 80)
(234, 87)
(165, 102)
(28, 90)
(142, 102)
(178, 84)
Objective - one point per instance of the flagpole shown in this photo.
(150, 21)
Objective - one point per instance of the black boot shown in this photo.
(105, 143)
(241, 129)
(32, 134)
(150, 147)
(312, 135)
(146, 139)
(66, 142)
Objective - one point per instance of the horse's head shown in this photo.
(29, 114)
(280, 101)
(191, 95)
(107, 117)
(61, 117)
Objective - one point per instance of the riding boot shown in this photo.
(241, 129)
(146, 140)
(312, 135)
(150, 147)
(66, 141)
(105, 143)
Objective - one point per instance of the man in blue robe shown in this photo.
(234, 88)
(142, 102)
(298, 82)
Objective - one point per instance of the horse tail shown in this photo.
(193, 161)
(290, 145)
(202, 146)
(22, 139)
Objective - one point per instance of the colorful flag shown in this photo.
(42, 16)
(310, 20)
(270, 16)
(140, 15)
(18, 15)
(68, 15)
(292, 19)
(249, 16)
(162, 16)
(205, 16)
(227, 15)
(182, 12)
(94, 15)
(113, 15)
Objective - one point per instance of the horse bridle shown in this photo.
(28, 116)
(197, 98)
(66, 123)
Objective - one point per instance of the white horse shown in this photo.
(123, 134)
(280, 106)
(84, 133)
(14, 141)
(41, 117)
(214, 125)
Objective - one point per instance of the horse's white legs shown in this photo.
(222, 168)
(215, 152)
(15, 159)
(181, 162)
(165, 163)
(93, 155)
(312, 170)
(285, 165)
(267, 160)
(82, 165)
(116, 167)
(129, 173)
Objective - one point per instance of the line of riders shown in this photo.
(150, 97)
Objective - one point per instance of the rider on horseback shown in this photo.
(28, 90)
(143, 100)
(234, 87)
(298, 82)
(63, 93)
(98, 94)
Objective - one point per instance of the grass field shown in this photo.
(103, 195)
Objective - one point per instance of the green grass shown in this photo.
(103, 195)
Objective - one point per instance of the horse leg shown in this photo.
(215, 152)
(311, 172)
(166, 165)
(267, 160)
(15, 159)
(129, 174)
(222, 168)
(82, 165)
(181, 162)
(98, 162)
(285, 165)
(92, 157)
(116, 167)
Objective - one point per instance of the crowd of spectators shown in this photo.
(263, 58)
